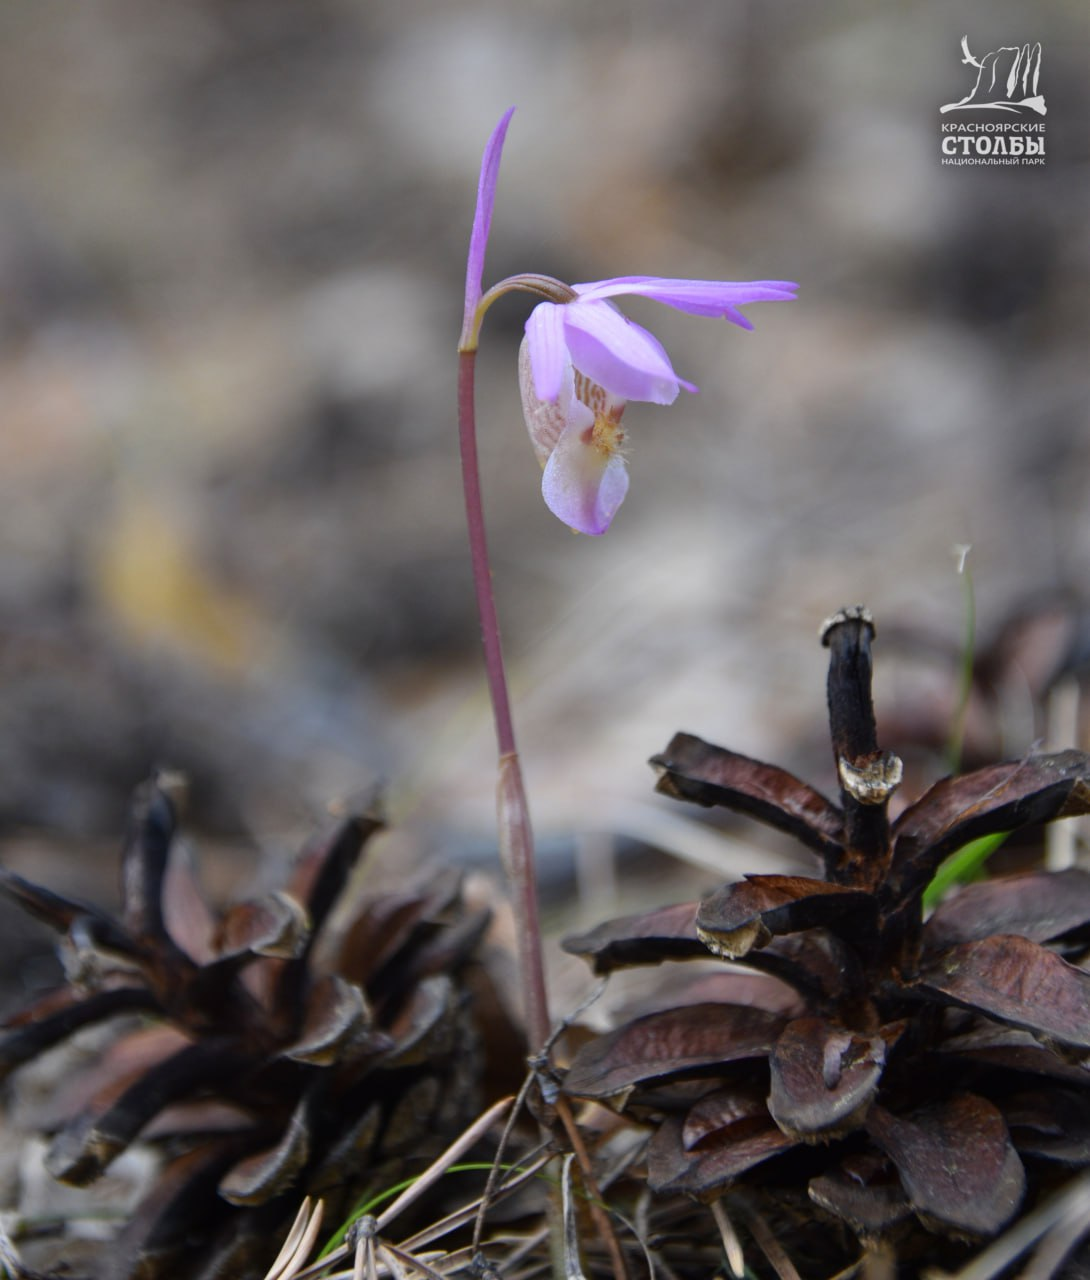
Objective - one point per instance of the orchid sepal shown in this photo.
(482, 225)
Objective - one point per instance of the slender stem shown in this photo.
(965, 674)
(515, 835)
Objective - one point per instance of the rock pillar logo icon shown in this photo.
(1007, 79)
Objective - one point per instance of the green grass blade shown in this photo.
(383, 1197)
(961, 867)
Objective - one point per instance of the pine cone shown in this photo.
(930, 1078)
(266, 1056)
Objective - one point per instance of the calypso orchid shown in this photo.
(582, 360)
(580, 363)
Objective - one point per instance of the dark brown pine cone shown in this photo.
(929, 1080)
(265, 1054)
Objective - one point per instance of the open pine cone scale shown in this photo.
(933, 1071)
(264, 1051)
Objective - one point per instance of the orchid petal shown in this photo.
(482, 218)
(547, 348)
(736, 317)
(618, 354)
(582, 484)
(545, 419)
(697, 297)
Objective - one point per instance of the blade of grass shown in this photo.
(961, 867)
(461, 1216)
(409, 1190)
(439, 1167)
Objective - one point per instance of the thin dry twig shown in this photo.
(851, 1270)
(362, 1242)
(599, 1215)
(573, 1269)
(439, 1167)
(530, 1244)
(461, 1216)
(771, 1248)
(397, 1271)
(387, 1251)
(1057, 1243)
(300, 1240)
(594, 1196)
(494, 1172)
(1010, 1246)
(732, 1246)
(648, 1257)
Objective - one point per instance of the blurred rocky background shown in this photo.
(232, 239)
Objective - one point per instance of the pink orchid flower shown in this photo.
(582, 361)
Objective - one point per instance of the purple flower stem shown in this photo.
(513, 814)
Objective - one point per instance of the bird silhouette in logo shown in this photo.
(1006, 80)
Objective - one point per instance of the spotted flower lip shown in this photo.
(577, 439)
